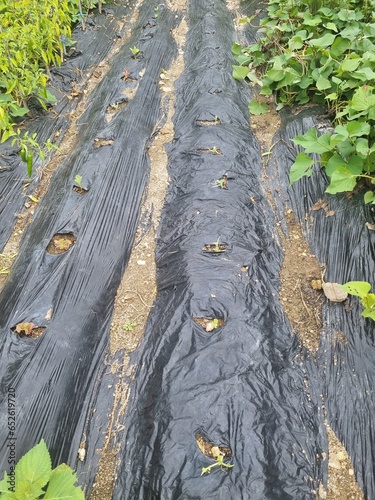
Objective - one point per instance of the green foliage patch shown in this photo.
(362, 289)
(33, 37)
(34, 478)
(321, 53)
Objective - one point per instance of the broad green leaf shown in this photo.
(341, 180)
(244, 59)
(349, 64)
(17, 110)
(339, 46)
(363, 99)
(310, 20)
(323, 42)
(331, 26)
(368, 313)
(258, 108)
(336, 161)
(355, 165)
(236, 49)
(369, 303)
(351, 32)
(312, 143)
(33, 471)
(290, 77)
(305, 82)
(368, 198)
(361, 147)
(4, 485)
(357, 288)
(6, 98)
(253, 78)
(345, 148)
(240, 72)
(357, 129)
(276, 74)
(323, 83)
(62, 485)
(302, 166)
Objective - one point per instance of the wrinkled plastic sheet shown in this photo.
(91, 47)
(248, 386)
(57, 376)
(243, 386)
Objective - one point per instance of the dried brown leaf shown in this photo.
(334, 293)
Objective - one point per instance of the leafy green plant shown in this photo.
(29, 147)
(362, 289)
(324, 54)
(33, 478)
(34, 35)
(219, 463)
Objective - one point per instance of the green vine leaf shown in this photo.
(258, 108)
(302, 166)
(341, 180)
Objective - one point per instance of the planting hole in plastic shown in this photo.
(60, 243)
(214, 150)
(215, 248)
(209, 324)
(79, 190)
(211, 450)
(100, 142)
(216, 121)
(114, 108)
(29, 330)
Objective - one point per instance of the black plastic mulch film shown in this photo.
(248, 385)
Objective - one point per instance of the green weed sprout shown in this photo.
(78, 181)
(135, 51)
(129, 327)
(219, 463)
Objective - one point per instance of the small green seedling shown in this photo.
(78, 181)
(219, 463)
(361, 289)
(129, 327)
(135, 51)
(223, 182)
(33, 478)
(215, 150)
(218, 247)
(215, 322)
